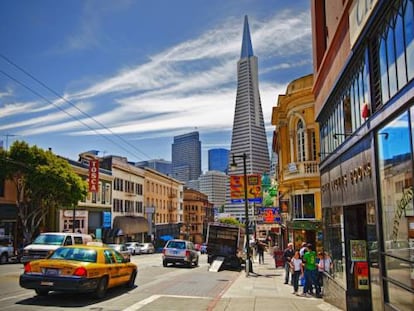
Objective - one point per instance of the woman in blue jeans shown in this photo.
(297, 271)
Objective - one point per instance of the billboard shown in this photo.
(254, 188)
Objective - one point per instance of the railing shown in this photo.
(304, 169)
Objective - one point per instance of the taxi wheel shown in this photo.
(41, 292)
(131, 282)
(102, 287)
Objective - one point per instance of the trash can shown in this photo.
(278, 256)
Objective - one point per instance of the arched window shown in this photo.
(300, 142)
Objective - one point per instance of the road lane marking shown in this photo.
(17, 296)
(143, 303)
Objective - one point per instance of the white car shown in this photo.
(146, 248)
(134, 247)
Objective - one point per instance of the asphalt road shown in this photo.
(157, 288)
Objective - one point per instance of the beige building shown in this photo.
(128, 221)
(296, 144)
(163, 205)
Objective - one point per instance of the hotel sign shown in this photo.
(358, 16)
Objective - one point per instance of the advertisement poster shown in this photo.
(358, 250)
(254, 188)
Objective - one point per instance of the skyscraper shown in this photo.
(186, 157)
(249, 135)
(218, 160)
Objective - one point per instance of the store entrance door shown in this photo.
(356, 251)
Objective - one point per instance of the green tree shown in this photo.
(43, 182)
(230, 221)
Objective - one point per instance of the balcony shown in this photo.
(299, 170)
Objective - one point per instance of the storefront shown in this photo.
(349, 225)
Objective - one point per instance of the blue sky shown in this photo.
(125, 77)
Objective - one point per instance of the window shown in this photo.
(300, 134)
(396, 186)
(333, 242)
(303, 206)
(2, 183)
(395, 50)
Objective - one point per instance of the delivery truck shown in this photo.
(225, 243)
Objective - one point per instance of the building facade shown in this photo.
(186, 157)
(248, 134)
(128, 218)
(218, 160)
(93, 214)
(364, 89)
(163, 206)
(197, 210)
(213, 184)
(296, 144)
(160, 165)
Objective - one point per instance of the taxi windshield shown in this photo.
(76, 254)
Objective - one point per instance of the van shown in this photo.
(47, 242)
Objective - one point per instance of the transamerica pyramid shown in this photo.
(248, 135)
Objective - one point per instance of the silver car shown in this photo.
(134, 247)
(146, 248)
(180, 251)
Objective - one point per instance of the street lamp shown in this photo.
(249, 266)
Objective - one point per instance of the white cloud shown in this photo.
(192, 84)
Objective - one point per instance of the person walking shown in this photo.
(260, 250)
(325, 265)
(297, 270)
(287, 256)
(309, 258)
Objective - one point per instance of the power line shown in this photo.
(63, 110)
(70, 103)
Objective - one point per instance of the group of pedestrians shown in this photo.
(305, 264)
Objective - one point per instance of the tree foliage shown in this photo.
(230, 221)
(43, 182)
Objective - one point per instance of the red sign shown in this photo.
(93, 175)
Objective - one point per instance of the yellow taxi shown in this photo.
(79, 269)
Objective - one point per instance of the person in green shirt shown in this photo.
(309, 259)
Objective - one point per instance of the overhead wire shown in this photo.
(70, 103)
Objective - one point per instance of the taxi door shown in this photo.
(124, 270)
(113, 268)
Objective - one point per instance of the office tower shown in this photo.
(218, 160)
(160, 165)
(213, 183)
(248, 136)
(186, 157)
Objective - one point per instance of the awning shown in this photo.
(304, 225)
(131, 225)
(166, 237)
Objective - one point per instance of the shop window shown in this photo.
(304, 206)
(2, 183)
(333, 241)
(396, 186)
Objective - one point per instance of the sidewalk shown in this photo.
(265, 290)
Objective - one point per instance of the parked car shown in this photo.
(133, 247)
(6, 250)
(121, 248)
(79, 268)
(180, 251)
(147, 248)
(47, 242)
